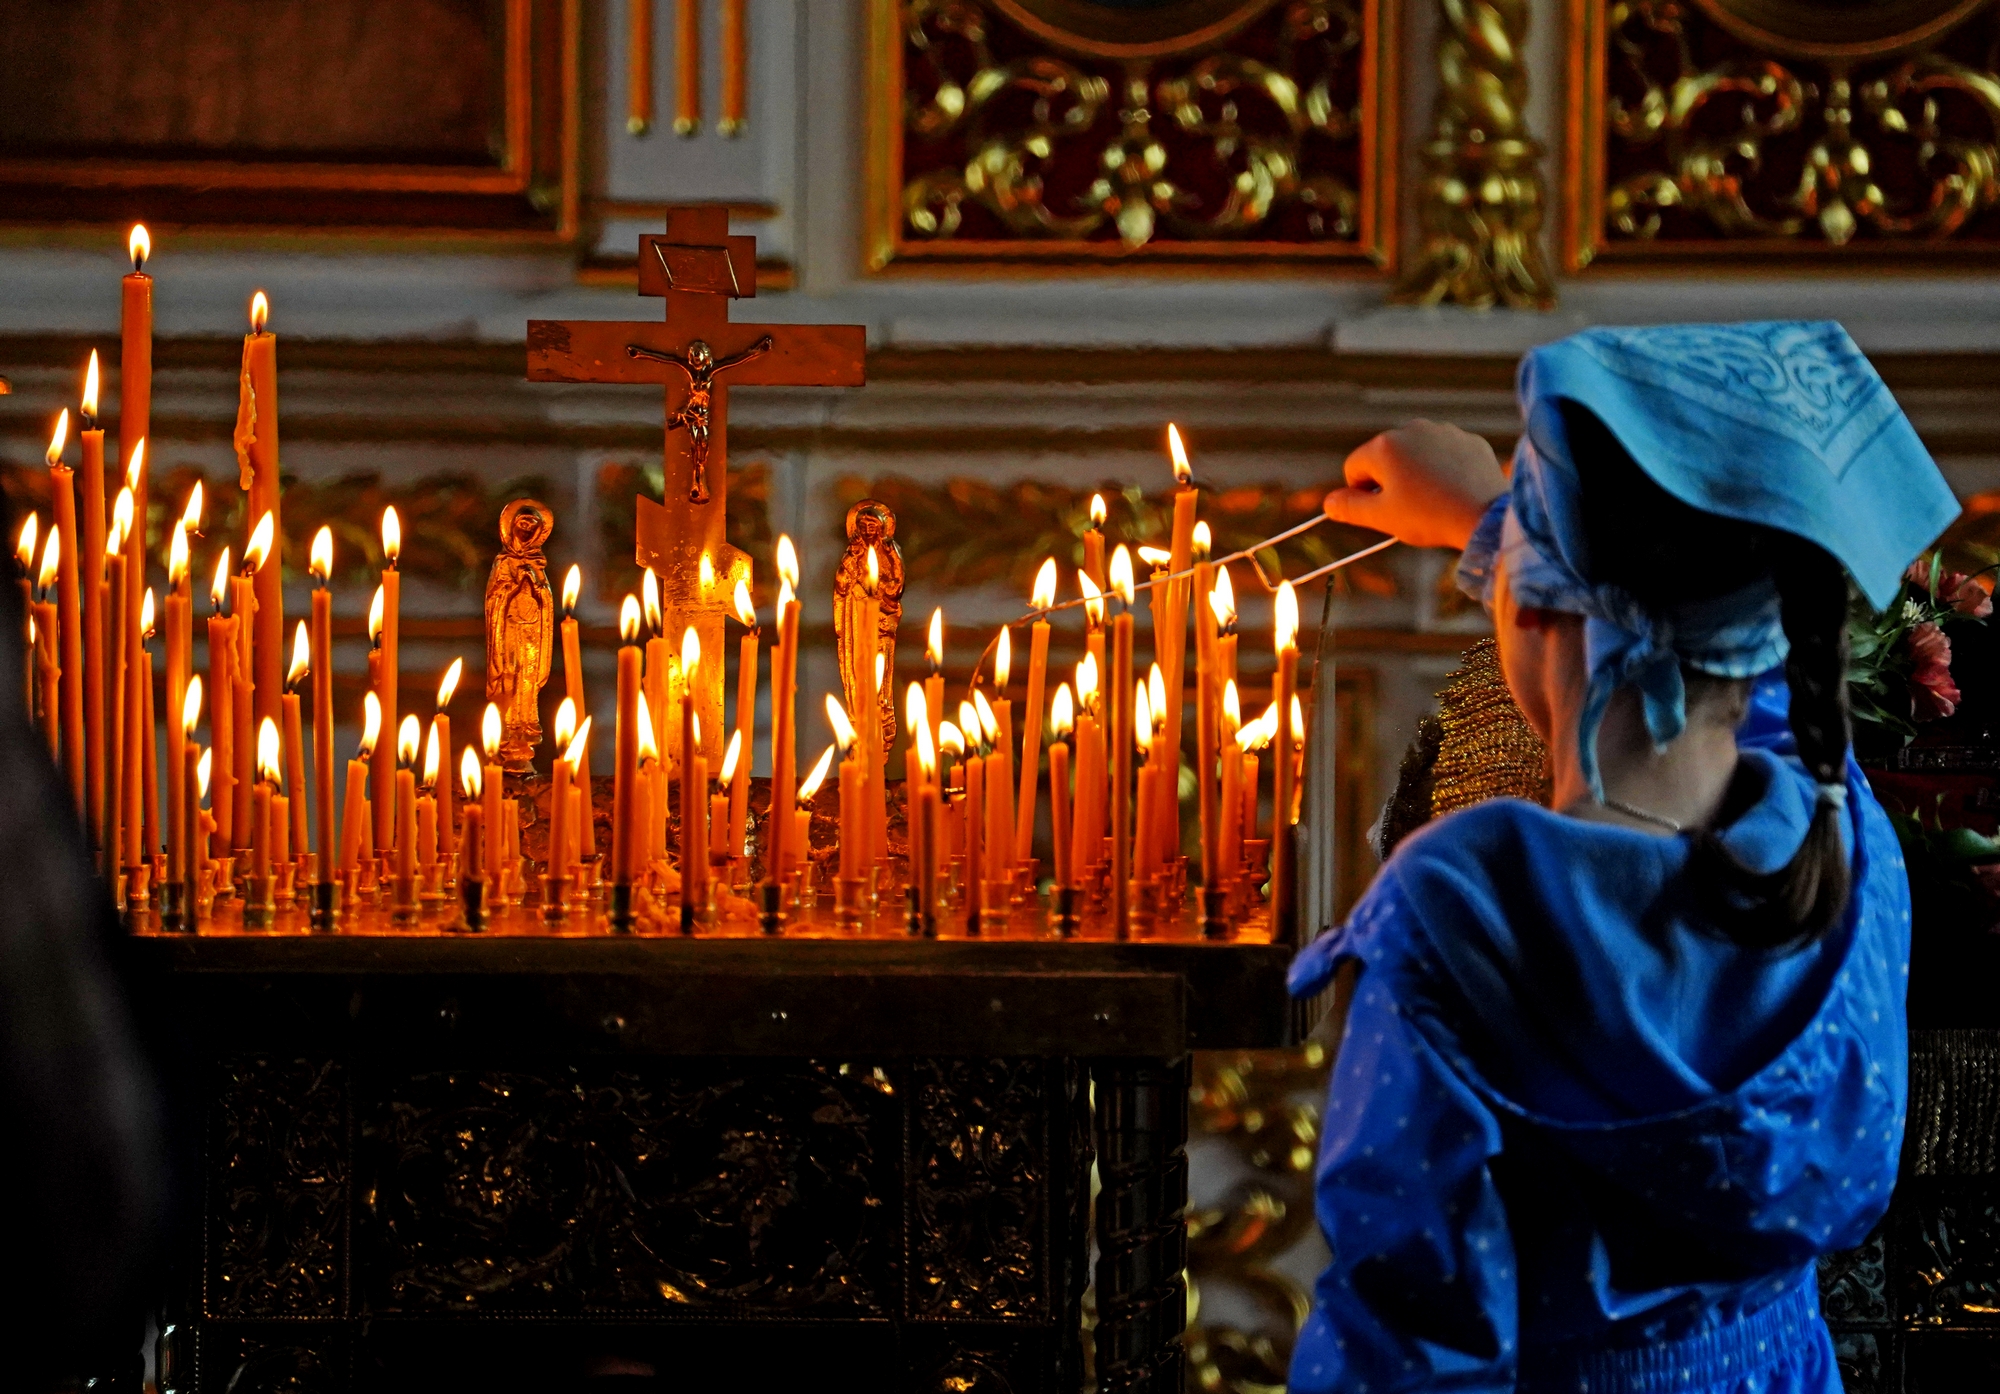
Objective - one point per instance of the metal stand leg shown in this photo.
(1142, 1123)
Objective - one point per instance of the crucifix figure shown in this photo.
(696, 417)
(697, 268)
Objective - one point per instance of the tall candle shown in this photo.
(221, 699)
(746, 724)
(98, 677)
(147, 739)
(409, 741)
(1229, 814)
(388, 635)
(851, 777)
(934, 684)
(295, 750)
(354, 829)
(1084, 840)
(490, 731)
(1120, 736)
(472, 827)
(195, 855)
(1206, 697)
(625, 831)
(441, 733)
(24, 558)
(179, 621)
(243, 605)
(69, 605)
(1000, 763)
(1284, 773)
(1031, 725)
(694, 788)
(975, 801)
(109, 781)
(784, 715)
(1060, 721)
(1172, 646)
(560, 827)
(1093, 542)
(48, 662)
(322, 676)
(257, 459)
(135, 392)
(572, 649)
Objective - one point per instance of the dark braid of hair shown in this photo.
(1804, 898)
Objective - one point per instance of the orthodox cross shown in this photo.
(697, 355)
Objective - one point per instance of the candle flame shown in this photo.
(784, 596)
(951, 740)
(269, 765)
(260, 543)
(1044, 594)
(136, 466)
(873, 582)
(218, 589)
(1232, 706)
(565, 723)
(579, 749)
(731, 755)
(1222, 600)
(695, 722)
(809, 786)
(934, 644)
(690, 654)
(1298, 719)
(375, 618)
(649, 746)
(1285, 618)
(321, 565)
(989, 728)
(1260, 732)
(705, 574)
(191, 707)
(1098, 512)
(628, 620)
(371, 723)
(448, 685)
(1142, 719)
(392, 536)
(90, 387)
(139, 246)
(649, 591)
(1202, 542)
(191, 515)
(121, 523)
(1156, 689)
(1062, 715)
(926, 753)
(1183, 472)
(881, 660)
(57, 440)
(301, 657)
(1121, 575)
(1155, 557)
(968, 723)
(408, 737)
(489, 731)
(1003, 659)
(843, 729)
(469, 778)
(1086, 682)
(146, 611)
(430, 778)
(916, 709)
(260, 311)
(746, 613)
(1093, 600)
(202, 769)
(24, 546)
(788, 561)
(572, 588)
(177, 556)
(51, 559)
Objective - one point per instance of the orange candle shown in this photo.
(625, 832)
(1284, 773)
(925, 831)
(1060, 721)
(572, 649)
(490, 732)
(385, 629)
(69, 605)
(975, 800)
(1121, 738)
(264, 830)
(687, 67)
(472, 827)
(295, 749)
(1093, 543)
(1171, 644)
(853, 811)
(257, 459)
(560, 826)
(852, 775)
(639, 67)
(802, 816)
(135, 387)
(735, 68)
(441, 733)
(179, 620)
(1229, 813)
(427, 805)
(354, 814)
(1031, 732)
(149, 784)
(243, 605)
(784, 694)
(97, 675)
(738, 774)
(112, 661)
(221, 699)
(694, 789)
(24, 558)
(934, 683)
(48, 661)
(408, 739)
(727, 822)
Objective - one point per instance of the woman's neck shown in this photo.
(1684, 784)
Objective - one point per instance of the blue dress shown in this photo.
(1573, 1142)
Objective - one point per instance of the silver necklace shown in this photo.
(1629, 811)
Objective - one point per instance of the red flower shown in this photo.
(1965, 595)
(1932, 692)
(1919, 574)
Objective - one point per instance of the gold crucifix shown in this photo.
(698, 268)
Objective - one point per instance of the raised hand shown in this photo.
(1423, 482)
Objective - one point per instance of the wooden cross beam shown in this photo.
(696, 355)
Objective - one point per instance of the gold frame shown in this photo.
(886, 251)
(1582, 243)
(532, 162)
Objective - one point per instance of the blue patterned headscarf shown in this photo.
(1784, 424)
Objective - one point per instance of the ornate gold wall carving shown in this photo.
(1783, 129)
(1480, 202)
(1052, 131)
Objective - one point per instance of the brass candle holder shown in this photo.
(555, 899)
(1065, 910)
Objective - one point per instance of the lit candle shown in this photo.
(221, 698)
(472, 828)
(1094, 651)
(647, 793)
(69, 605)
(1229, 815)
(562, 827)
(736, 771)
(802, 818)
(997, 837)
(354, 815)
(934, 683)
(572, 647)
(98, 678)
(257, 459)
(694, 791)
(853, 791)
(924, 827)
(149, 800)
(784, 696)
(625, 746)
(409, 736)
(24, 559)
(1060, 721)
(179, 621)
(577, 757)
(719, 801)
(1166, 775)
(1031, 727)
(1000, 763)
(659, 677)
(295, 745)
(1171, 646)
(109, 592)
(491, 728)
(48, 659)
(1093, 543)
(321, 568)
(1284, 774)
(385, 628)
(1146, 832)
(441, 733)
(1215, 621)
(135, 387)
(202, 863)
(1121, 738)
(263, 834)
(951, 746)
(243, 602)
(187, 816)
(1087, 832)
(971, 817)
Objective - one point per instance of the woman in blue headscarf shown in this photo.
(1615, 1072)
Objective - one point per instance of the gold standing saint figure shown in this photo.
(520, 629)
(869, 524)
